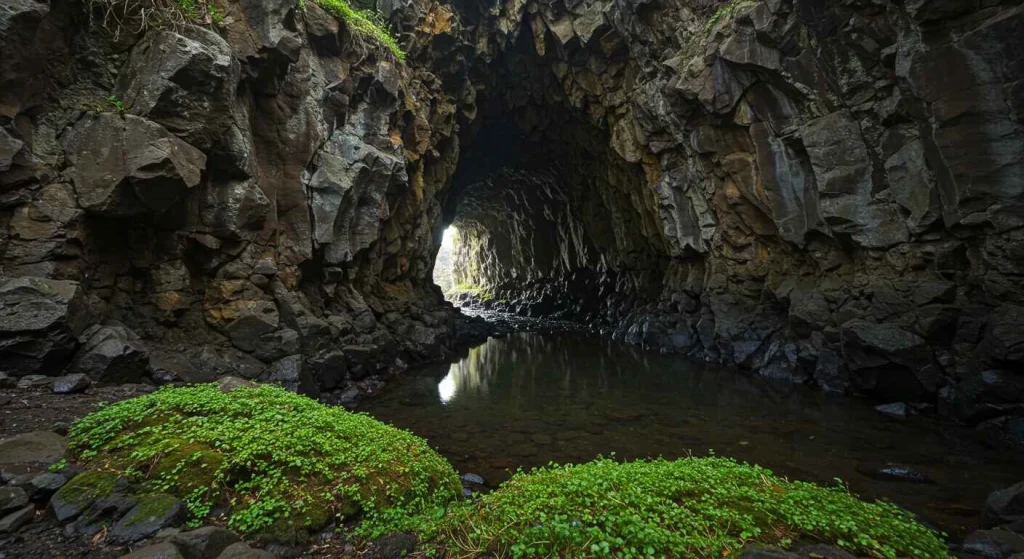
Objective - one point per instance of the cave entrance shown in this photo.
(549, 201)
(443, 273)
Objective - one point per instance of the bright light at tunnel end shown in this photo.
(448, 238)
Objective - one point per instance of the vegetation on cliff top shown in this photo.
(367, 23)
(140, 14)
(283, 466)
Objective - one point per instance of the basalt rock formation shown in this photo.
(825, 192)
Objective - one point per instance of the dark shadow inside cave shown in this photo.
(547, 211)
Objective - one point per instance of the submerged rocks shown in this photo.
(893, 472)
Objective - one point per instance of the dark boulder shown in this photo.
(392, 546)
(40, 320)
(12, 498)
(79, 494)
(71, 384)
(182, 79)
(41, 486)
(291, 373)
(888, 361)
(111, 354)
(994, 544)
(166, 367)
(1006, 505)
(11, 522)
(151, 514)
(37, 447)
(123, 165)
(207, 542)
(1004, 337)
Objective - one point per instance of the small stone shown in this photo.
(896, 409)
(42, 447)
(71, 384)
(34, 381)
(392, 546)
(7, 381)
(892, 472)
(473, 478)
(158, 551)
(17, 519)
(12, 498)
(229, 384)
(151, 514)
(205, 543)
(81, 492)
(241, 550)
(45, 485)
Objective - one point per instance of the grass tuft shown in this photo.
(366, 23)
(282, 465)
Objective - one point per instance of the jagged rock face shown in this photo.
(822, 192)
(836, 187)
(237, 200)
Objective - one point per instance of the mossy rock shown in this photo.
(275, 463)
(693, 507)
(151, 514)
(82, 491)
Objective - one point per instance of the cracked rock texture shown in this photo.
(822, 192)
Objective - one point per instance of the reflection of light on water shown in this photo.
(446, 388)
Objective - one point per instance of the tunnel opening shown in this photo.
(551, 218)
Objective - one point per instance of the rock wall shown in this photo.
(837, 192)
(821, 192)
(257, 197)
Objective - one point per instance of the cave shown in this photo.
(785, 232)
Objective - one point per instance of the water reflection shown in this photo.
(529, 399)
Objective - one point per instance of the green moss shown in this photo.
(696, 507)
(478, 292)
(151, 507)
(85, 488)
(367, 23)
(725, 12)
(278, 456)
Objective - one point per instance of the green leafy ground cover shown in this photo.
(367, 23)
(692, 507)
(285, 466)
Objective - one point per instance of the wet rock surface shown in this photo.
(791, 189)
